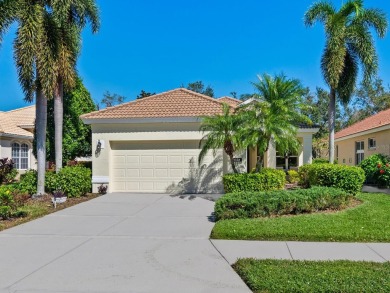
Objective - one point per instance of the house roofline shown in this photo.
(365, 132)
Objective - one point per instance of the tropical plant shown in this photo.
(220, 131)
(349, 43)
(76, 134)
(35, 49)
(274, 116)
(70, 17)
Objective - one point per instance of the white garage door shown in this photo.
(163, 166)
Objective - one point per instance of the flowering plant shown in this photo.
(384, 175)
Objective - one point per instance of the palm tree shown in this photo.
(274, 116)
(220, 132)
(35, 48)
(349, 43)
(71, 16)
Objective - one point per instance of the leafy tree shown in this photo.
(200, 88)
(35, 50)
(144, 94)
(275, 116)
(110, 100)
(76, 135)
(349, 43)
(221, 132)
(70, 17)
(369, 99)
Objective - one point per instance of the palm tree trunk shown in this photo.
(58, 123)
(332, 123)
(231, 157)
(40, 124)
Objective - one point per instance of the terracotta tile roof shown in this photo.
(230, 101)
(11, 121)
(372, 122)
(175, 103)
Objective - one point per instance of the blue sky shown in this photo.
(160, 45)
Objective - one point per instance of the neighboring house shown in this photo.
(363, 139)
(152, 145)
(16, 137)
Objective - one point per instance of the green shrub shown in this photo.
(281, 202)
(28, 182)
(73, 181)
(348, 178)
(370, 166)
(293, 176)
(266, 179)
(5, 212)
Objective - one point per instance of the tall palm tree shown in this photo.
(220, 132)
(349, 43)
(71, 16)
(35, 48)
(274, 116)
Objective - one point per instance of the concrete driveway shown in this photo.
(118, 243)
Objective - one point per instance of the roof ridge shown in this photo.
(19, 109)
(230, 98)
(127, 103)
(153, 97)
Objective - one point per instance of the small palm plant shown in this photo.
(275, 115)
(221, 131)
(349, 43)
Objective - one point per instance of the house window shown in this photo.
(371, 143)
(20, 156)
(359, 152)
(286, 161)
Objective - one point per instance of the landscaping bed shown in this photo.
(313, 276)
(39, 207)
(367, 222)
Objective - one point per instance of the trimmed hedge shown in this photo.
(73, 181)
(266, 179)
(281, 202)
(348, 178)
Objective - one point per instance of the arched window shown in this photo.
(20, 155)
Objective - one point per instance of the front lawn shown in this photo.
(311, 276)
(368, 222)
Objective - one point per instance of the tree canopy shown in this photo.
(76, 134)
(199, 87)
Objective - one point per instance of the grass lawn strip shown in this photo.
(368, 222)
(312, 276)
(43, 206)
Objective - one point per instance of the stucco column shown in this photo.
(307, 149)
(271, 156)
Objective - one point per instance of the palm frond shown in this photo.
(319, 12)
(8, 14)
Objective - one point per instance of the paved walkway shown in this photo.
(118, 243)
(142, 243)
(232, 250)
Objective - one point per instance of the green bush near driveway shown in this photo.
(314, 276)
(73, 181)
(366, 222)
(348, 178)
(370, 167)
(281, 202)
(266, 179)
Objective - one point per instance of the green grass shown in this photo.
(368, 222)
(311, 276)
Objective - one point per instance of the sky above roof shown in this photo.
(160, 45)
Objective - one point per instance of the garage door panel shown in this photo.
(158, 166)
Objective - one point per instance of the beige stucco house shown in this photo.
(152, 145)
(363, 139)
(16, 137)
